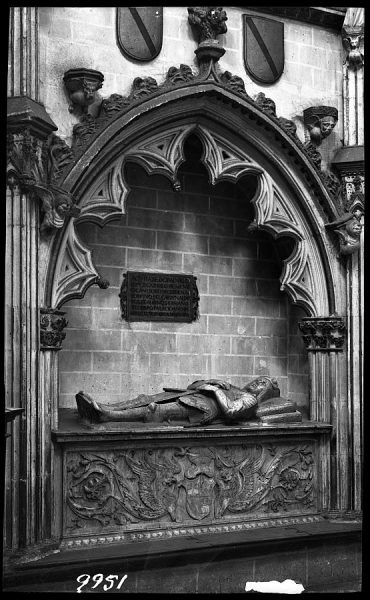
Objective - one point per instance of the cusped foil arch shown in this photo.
(238, 139)
(224, 161)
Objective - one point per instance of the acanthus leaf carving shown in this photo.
(113, 488)
(323, 333)
(38, 168)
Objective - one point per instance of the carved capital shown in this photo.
(320, 122)
(81, 85)
(52, 323)
(323, 334)
(35, 166)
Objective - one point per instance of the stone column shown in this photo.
(324, 339)
(28, 128)
(23, 53)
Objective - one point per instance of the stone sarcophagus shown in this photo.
(138, 484)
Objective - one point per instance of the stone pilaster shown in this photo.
(23, 56)
(25, 457)
(325, 338)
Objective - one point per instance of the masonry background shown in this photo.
(74, 37)
(247, 326)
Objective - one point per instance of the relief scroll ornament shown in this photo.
(173, 485)
(202, 403)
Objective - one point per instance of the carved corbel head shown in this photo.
(320, 122)
(56, 205)
(351, 37)
(82, 85)
(348, 228)
(208, 22)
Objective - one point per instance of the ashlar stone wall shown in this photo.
(73, 37)
(247, 326)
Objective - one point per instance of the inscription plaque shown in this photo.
(159, 297)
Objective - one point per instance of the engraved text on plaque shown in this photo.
(159, 297)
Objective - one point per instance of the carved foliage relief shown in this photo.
(111, 489)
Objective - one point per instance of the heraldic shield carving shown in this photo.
(263, 48)
(140, 31)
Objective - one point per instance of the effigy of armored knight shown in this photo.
(202, 403)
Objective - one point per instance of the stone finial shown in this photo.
(323, 333)
(348, 228)
(352, 34)
(320, 122)
(82, 85)
(52, 323)
(209, 22)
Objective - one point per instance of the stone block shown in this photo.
(182, 241)
(241, 229)
(230, 207)
(233, 365)
(312, 55)
(323, 83)
(70, 360)
(174, 580)
(168, 200)
(195, 203)
(84, 339)
(156, 219)
(212, 225)
(144, 259)
(271, 365)
(152, 342)
(79, 318)
(109, 255)
(298, 383)
(268, 288)
(256, 307)
(109, 361)
(197, 183)
(90, 383)
(252, 346)
(95, 34)
(142, 198)
(232, 286)
(231, 325)
(211, 305)
(103, 298)
(177, 363)
(293, 74)
(199, 326)
(246, 267)
(231, 247)
(298, 33)
(198, 263)
(269, 326)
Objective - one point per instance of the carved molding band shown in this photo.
(323, 333)
(52, 323)
(111, 490)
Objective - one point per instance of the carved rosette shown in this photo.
(323, 334)
(52, 323)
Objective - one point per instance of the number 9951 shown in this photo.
(98, 578)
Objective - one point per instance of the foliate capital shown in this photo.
(52, 323)
(323, 334)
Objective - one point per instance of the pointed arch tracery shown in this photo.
(279, 211)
